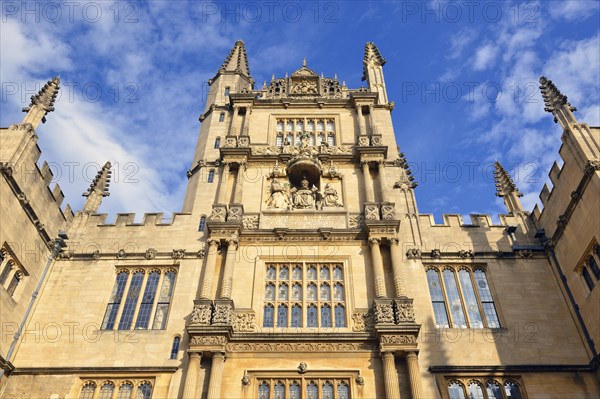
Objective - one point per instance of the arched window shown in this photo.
(437, 298)
(297, 292)
(470, 299)
(175, 347)
(143, 318)
(164, 301)
(587, 278)
(87, 391)
(271, 273)
(296, 316)
(125, 390)
(263, 390)
(326, 316)
(284, 273)
(279, 140)
(338, 292)
(297, 273)
(14, 282)
(311, 316)
(144, 391)
(325, 292)
(342, 390)
(202, 224)
(282, 316)
(279, 391)
(340, 316)
(487, 301)
(312, 273)
(211, 175)
(5, 272)
(327, 390)
(320, 139)
(331, 139)
(324, 273)
(106, 391)
(131, 301)
(221, 116)
(115, 300)
(217, 142)
(456, 390)
(512, 390)
(338, 274)
(294, 390)
(456, 310)
(268, 316)
(493, 390)
(312, 391)
(594, 266)
(283, 292)
(475, 391)
(270, 292)
(312, 292)
(226, 91)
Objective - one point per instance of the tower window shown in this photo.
(175, 347)
(226, 91)
(202, 224)
(217, 142)
(221, 116)
(211, 176)
(470, 307)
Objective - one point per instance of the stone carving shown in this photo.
(330, 197)
(201, 315)
(301, 347)
(244, 141)
(121, 254)
(304, 87)
(359, 380)
(405, 312)
(592, 166)
(250, 222)
(363, 141)
(525, 254)
(279, 198)
(436, 253)
(218, 213)
(388, 211)
(235, 213)
(363, 321)
(302, 368)
(376, 140)
(335, 150)
(96, 254)
(465, 254)
(178, 254)
(230, 142)
(245, 322)
(304, 197)
(413, 253)
(208, 340)
(245, 379)
(201, 253)
(265, 150)
(356, 221)
(371, 212)
(383, 313)
(223, 313)
(150, 253)
(562, 221)
(398, 339)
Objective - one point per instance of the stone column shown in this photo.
(223, 184)
(369, 196)
(228, 272)
(361, 121)
(191, 376)
(392, 388)
(396, 252)
(382, 183)
(239, 184)
(377, 267)
(414, 374)
(209, 269)
(216, 376)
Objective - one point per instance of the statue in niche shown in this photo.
(279, 198)
(330, 197)
(304, 197)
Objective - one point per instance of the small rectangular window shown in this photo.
(221, 116)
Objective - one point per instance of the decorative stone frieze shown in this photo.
(178, 254)
(223, 312)
(250, 222)
(383, 312)
(388, 211)
(398, 339)
(363, 321)
(300, 347)
(371, 211)
(201, 314)
(245, 322)
(219, 213)
(235, 213)
(405, 312)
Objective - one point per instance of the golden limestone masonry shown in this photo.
(299, 266)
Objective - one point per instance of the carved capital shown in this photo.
(413, 253)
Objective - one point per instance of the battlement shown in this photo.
(477, 220)
(149, 219)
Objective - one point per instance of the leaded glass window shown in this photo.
(493, 390)
(145, 311)
(587, 277)
(125, 391)
(288, 293)
(5, 272)
(456, 391)
(106, 391)
(312, 391)
(87, 391)
(144, 391)
(475, 391)
(269, 316)
(115, 300)
(342, 391)
(594, 266)
(131, 301)
(461, 298)
(512, 391)
(14, 282)
(294, 390)
(164, 301)
(279, 391)
(175, 347)
(327, 390)
(263, 391)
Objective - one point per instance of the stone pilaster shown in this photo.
(216, 376)
(377, 262)
(191, 376)
(396, 252)
(414, 374)
(390, 375)
(228, 272)
(209, 269)
(369, 194)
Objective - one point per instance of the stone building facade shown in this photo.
(299, 266)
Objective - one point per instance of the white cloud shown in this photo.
(573, 10)
(485, 57)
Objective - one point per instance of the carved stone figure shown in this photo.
(330, 196)
(304, 197)
(279, 198)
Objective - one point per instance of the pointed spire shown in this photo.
(556, 103)
(372, 54)
(304, 62)
(237, 60)
(42, 103)
(506, 188)
(98, 189)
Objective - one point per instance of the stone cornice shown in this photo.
(521, 368)
(93, 370)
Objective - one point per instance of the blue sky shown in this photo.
(463, 76)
